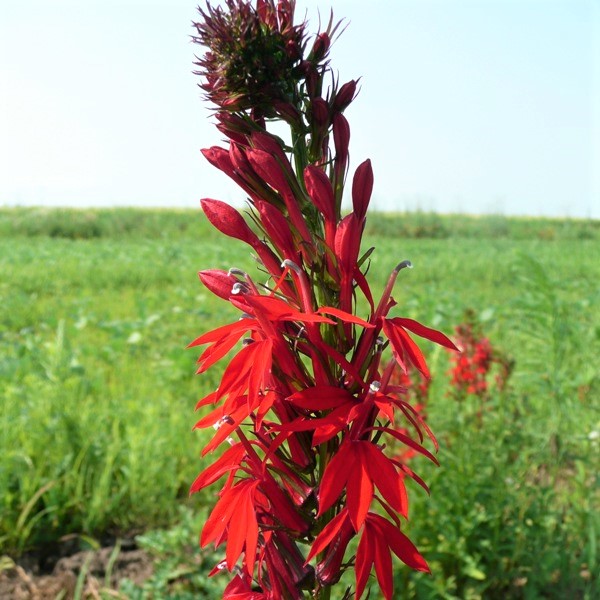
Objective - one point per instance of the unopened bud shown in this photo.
(320, 47)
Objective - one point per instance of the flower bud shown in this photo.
(218, 282)
(341, 136)
(320, 112)
(320, 47)
(362, 187)
(228, 221)
(344, 96)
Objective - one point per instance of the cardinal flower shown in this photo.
(309, 427)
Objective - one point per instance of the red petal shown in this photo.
(359, 489)
(229, 460)
(237, 328)
(409, 442)
(345, 316)
(426, 332)
(383, 564)
(327, 534)
(323, 397)
(216, 524)
(269, 144)
(361, 280)
(365, 555)
(334, 478)
(275, 309)
(251, 536)
(402, 547)
(385, 476)
(402, 344)
(216, 352)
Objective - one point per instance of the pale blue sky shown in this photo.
(466, 105)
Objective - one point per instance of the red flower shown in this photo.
(307, 400)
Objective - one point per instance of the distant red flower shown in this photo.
(471, 373)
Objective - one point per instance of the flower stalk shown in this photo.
(303, 388)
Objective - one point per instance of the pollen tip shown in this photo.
(235, 271)
(375, 386)
(290, 264)
(405, 264)
(238, 288)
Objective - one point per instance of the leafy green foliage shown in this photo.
(95, 429)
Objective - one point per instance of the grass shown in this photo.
(98, 391)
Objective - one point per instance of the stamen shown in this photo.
(290, 264)
(374, 387)
(239, 288)
(405, 264)
(239, 272)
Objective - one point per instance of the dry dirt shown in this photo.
(26, 580)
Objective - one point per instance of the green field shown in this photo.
(98, 391)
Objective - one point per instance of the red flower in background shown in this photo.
(480, 365)
(307, 402)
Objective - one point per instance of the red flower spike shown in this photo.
(304, 395)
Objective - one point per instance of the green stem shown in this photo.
(300, 154)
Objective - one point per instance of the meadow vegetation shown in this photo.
(98, 391)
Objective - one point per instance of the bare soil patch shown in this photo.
(100, 571)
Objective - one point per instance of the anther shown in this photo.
(374, 387)
(290, 264)
(405, 264)
(239, 288)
